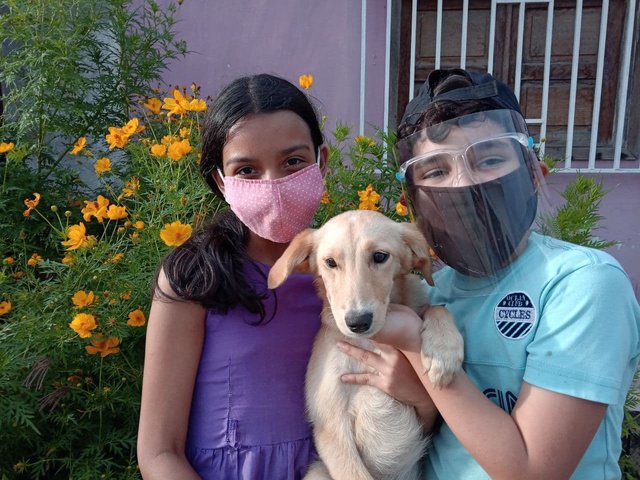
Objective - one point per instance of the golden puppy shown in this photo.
(362, 261)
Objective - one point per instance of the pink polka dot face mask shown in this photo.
(276, 209)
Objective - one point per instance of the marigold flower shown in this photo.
(154, 104)
(305, 81)
(196, 105)
(136, 318)
(125, 295)
(175, 234)
(132, 127)
(68, 259)
(83, 299)
(179, 149)
(18, 275)
(363, 141)
(401, 209)
(139, 225)
(131, 187)
(184, 132)
(78, 146)
(77, 237)
(8, 261)
(168, 139)
(31, 204)
(102, 165)
(96, 209)
(158, 150)
(5, 307)
(6, 146)
(116, 138)
(368, 199)
(103, 347)
(117, 257)
(175, 105)
(116, 212)
(325, 198)
(34, 260)
(83, 323)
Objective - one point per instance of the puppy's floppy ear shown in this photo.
(294, 258)
(416, 242)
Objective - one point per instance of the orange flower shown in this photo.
(117, 257)
(103, 347)
(184, 132)
(139, 225)
(363, 141)
(175, 234)
(5, 307)
(116, 138)
(305, 81)
(102, 165)
(97, 209)
(168, 139)
(116, 212)
(34, 260)
(125, 295)
(325, 198)
(136, 318)
(196, 105)
(179, 149)
(77, 237)
(83, 324)
(68, 259)
(6, 147)
(132, 127)
(83, 299)
(31, 204)
(175, 105)
(8, 261)
(158, 150)
(131, 187)
(154, 104)
(368, 199)
(78, 146)
(401, 209)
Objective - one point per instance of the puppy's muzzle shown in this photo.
(359, 322)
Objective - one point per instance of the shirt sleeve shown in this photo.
(587, 341)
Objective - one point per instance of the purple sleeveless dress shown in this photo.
(247, 418)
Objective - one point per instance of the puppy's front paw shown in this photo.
(442, 346)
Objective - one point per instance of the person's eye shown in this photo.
(296, 161)
(490, 161)
(245, 171)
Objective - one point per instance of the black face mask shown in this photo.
(476, 229)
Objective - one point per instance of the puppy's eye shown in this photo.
(330, 262)
(380, 257)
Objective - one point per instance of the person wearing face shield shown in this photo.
(551, 329)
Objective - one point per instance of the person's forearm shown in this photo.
(167, 466)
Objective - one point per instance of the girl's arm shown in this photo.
(545, 436)
(175, 334)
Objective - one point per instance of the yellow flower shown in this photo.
(6, 147)
(136, 318)
(184, 132)
(34, 260)
(135, 237)
(19, 274)
(77, 237)
(363, 141)
(103, 347)
(116, 212)
(179, 149)
(78, 146)
(83, 323)
(117, 257)
(96, 209)
(401, 209)
(139, 225)
(132, 127)
(167, 139)
(116, 138)
(5, 307)
(131, 187)
(125, 295)
(102, 165)
(154, 104)
(175, 234)
(83, 299)
(196, 105)
(68, 259)
(31, 204)
(158, 150)
(175, 105)
(305, 81)
(368, 199)
(8, 261)
(325, 198)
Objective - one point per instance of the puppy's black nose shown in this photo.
(359, 322)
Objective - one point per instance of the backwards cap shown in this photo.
(484, 87)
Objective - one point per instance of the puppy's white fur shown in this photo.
(362, 261)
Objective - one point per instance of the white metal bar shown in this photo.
(577, 31)
(519, 48)
(387, 69)
(363, 61)
(463, 39)
(439, 34)
(598, 87)
(505, 2)
(597, 170)
(624, 82)
(492, 36)
(412, 62)
(546, 75)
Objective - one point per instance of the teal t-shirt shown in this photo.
(561, 317)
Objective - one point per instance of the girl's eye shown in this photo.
(295, 161)
(330, 262)
(380, 257)
(487, 162)
(245, 171)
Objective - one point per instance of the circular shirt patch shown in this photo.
(515, 315)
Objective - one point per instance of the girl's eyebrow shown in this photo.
(285, 151)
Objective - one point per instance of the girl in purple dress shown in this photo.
(223, 386)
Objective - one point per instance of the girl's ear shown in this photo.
(295, 258)
(216, 178)
(324, 158)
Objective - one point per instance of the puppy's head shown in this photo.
(356, 257)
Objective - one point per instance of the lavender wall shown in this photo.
(231, 38)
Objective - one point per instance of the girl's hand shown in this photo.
(401, 329)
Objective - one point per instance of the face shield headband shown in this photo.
(471, 183)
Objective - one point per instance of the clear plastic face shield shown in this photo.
(473, 185)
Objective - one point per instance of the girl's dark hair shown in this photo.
(209, 268)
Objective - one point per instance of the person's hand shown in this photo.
(401, 329)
